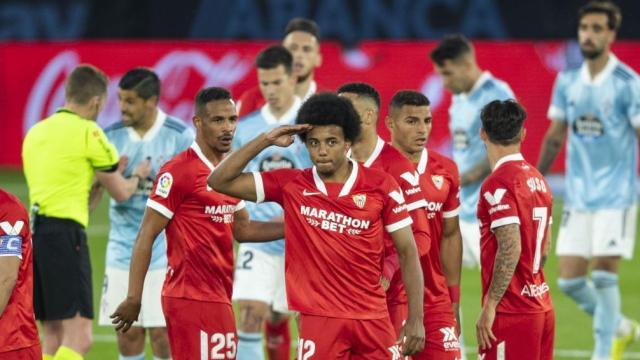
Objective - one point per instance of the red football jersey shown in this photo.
(17, 324)
(440, 182)
(334, 244)
(252, 100)
(200, 230)
(516, 193)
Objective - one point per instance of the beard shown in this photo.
(303, 78)
(591, 53)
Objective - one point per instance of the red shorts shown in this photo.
(441, 337)
(200, 329)
(398, 314)
(29, 353)
(331, 338)
(522, 337)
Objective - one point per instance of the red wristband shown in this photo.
(454, 293)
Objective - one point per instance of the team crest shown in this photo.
(360, 200)
(438, 180)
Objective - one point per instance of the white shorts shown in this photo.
(470, 232)
(607, 232)
(114, 291)
(260, 276)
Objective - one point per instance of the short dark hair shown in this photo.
(361, 89)
(452, 47)
(301, 24)
(274, 56)
(85, 82)
(608, 8)
(325, 109)
(210, 94)
(143, 81)
(502, 121)
(408, 97)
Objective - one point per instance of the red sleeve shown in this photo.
(168, 191)
(15, 235)
(395, 215)
(451, 206)
(500, 203)
(269, 184)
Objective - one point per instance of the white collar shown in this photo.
(612, 62)
(422, 163)
(484, 77)
(286, 118)
(374, 155)
(200, 154)
(346, 188)
(510, 157)
(313, 87)
(153, 130)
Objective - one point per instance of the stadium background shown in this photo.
(198, 43)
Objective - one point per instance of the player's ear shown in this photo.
(523, 134)
(483, 135)
(319, 61)
(197, 121)
(388, 120)
(152, 101)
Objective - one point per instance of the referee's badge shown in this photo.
(164, 185)
(360, 200)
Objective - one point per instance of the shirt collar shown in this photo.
(313, 87)
(603, 75)
(200, 154)
(346, 188)
(153, 130)
(286, 118)
(422, 163)
(507, 158)
(484, 77)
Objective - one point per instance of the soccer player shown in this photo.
(598, 105)
(517, 318)
(200, 226)
(60, 156)
(144, 132)
(472, 88)
(409, 122)
(259, 278)
(335, 213)
(18, 331)
(372, 152)
(302, 39)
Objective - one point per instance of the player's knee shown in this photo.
(131, 342)
(252, 315)
(159, 342)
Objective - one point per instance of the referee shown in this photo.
(60, 155)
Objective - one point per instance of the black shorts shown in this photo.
(61, 270)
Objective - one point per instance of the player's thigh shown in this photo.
(280, 304)
(470, 232)
(575, 237)
(373, 340)
(114, 291)
(200, 329)
(322, 338)
(570, 267)
(151, 315)
(255, 276)
(518, 336)
(252, 315)
(441, 338)
(614, 232)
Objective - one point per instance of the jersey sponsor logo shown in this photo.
(305, 192)
(12, 229)
(434, 206)
(438, 181)
(333, 221)
(165, 181)
(533, 290)
(221, 213)
(359, 200)
(450, 339)
(460, 139)
(411, 178)
(396, 352)
(495, 198)
(396, 195)
(588, 126)
(276, 161)
(11, 245)
(412, 191)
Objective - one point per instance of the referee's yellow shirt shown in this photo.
(60, 155)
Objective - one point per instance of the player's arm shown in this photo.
(413, 282)
(247, 230)
(476, 173)
(119, 187)
(507, 255)
(547, 247)
(551, 145)
(451, 260)
(229, 178)
(127, 312)
(9, 266)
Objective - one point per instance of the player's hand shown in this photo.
(484, 334)
(385, 283)
(143, 169)
(126, 313)
(412, 337)
(283, 136)
(456, 312)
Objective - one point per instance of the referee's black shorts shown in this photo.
(61, 270)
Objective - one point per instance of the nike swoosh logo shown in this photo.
(306, 193)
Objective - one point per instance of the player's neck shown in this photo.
(364, 147)
(340, 175)
(414, 157)
(497, 152)
(277, 113)
(598, 64)
(84, 111)
(302, 88)
(143, 126)
(213, 156)
(476, 73)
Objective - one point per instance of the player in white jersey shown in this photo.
(472, 88)
(144, 134)
(259, 277)
(598, 106)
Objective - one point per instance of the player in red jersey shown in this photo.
(302, 39)
(18, 331)
(517, 318)
(335, 214)
(200, 225)
(409, 122)
(370, 150)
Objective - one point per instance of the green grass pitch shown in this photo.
(573, 327)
